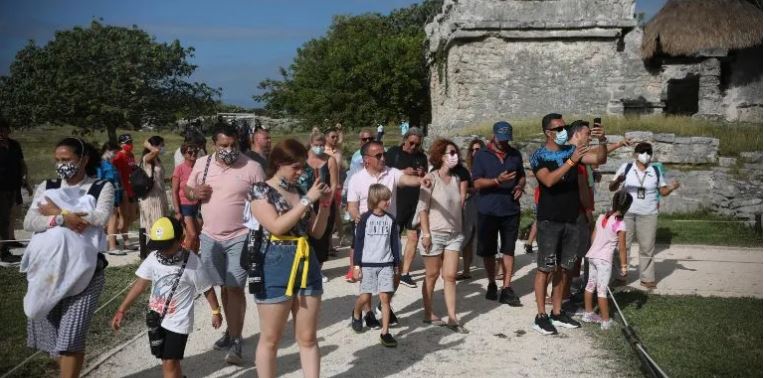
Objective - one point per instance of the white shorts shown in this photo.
(377, 279)
(442, 241)
(599, 276)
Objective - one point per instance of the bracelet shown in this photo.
(570, 162)
(496, 180)
(216, 311)
(120, 312)
(425, 235)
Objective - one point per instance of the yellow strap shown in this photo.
(303, 251)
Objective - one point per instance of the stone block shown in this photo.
(727, 162)
(665, 137)
(751, 157)
(640, 136)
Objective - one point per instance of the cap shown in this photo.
(125, 138)
(163, 233)
(502, 131)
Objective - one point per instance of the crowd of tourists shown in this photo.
(252, 217)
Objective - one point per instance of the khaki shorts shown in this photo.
(442, 241)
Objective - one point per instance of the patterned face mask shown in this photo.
(67, 170)
(228, 156)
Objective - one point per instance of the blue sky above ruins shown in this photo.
(238, 43)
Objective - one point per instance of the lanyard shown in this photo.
(644, 177)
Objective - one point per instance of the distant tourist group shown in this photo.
(258, 218)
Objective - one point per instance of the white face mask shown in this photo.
(452, 161)
(644, 158)
(318, 150)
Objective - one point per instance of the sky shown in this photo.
(238, 43)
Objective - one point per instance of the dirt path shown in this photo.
(500, 340)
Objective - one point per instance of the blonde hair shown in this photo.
(378, 193)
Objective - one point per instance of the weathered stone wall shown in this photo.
(492, 59)
(742, 78)
(724, 185)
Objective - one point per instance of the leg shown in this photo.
(508, 263)
(432, 265)
(539, 289)
(532, 234)
(305, 312)
(362, 302)
(468, 251)
(558, 282)
(191, 232)
(591, 285)
(71, 364)
(410, 251)
(489, 263)
(629, 221)
(448, 272)
(171, 369)
(384, 298)
(111, 230)
(234, 307)
(7, 200)
(273, 318)
(646, 226)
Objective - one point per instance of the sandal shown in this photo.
(434, 322)
(458, 328)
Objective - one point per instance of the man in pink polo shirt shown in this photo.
(221, 182)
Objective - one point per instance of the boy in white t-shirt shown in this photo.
(161, 268)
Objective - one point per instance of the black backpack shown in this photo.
(141, 182)
(95, 189)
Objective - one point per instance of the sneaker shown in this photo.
(324, 279)
(223, 343)
(490, 293)
(528, 248)
(393, 318)
(563, 320)
(9, 260)
(407, 280)
(605, 325)
(543, 326)
(508, 297)
(648, 285)
(116, 252)
(388, 340)
(371, 321)
(356, 324)
(234, 352)
(591, 317)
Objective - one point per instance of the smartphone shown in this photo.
(597, 121)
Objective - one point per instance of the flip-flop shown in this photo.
(438, 323)
(458, 328)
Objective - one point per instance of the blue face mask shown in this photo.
(561, 138)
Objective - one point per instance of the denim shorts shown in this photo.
(277, 264)
(558, 245)
(221, 260)
(189, 210)
(442, 241)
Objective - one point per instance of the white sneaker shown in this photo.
(324, 278)
(605, 325)
(591, 317)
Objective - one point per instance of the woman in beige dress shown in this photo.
(154, 205)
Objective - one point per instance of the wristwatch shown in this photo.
(59, 220)
(305, 201)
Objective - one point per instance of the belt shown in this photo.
(302, 253)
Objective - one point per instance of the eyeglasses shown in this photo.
(368, 139)
(377, 156)
(453, 152)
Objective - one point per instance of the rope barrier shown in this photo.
(648, 363)
(35, 354)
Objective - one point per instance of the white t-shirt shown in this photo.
(358, 188)
(380, 129)
(180, 314)
(647, 179)
(178, 157)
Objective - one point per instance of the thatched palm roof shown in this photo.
(685, 27)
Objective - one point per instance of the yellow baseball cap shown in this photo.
(163, 233)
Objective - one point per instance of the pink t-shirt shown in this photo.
(606, 238)
(358, 187)
(230, 185)
(182, 172)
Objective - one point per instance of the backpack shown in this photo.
(141, 182)
(95, 189)
(655, 168)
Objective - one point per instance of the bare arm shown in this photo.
(276, 224)
(595, 156)
(409, 180)
(355, 212)
(622, 251)
(138, 287)
(549, 179)
(318, 225)
(152, 154)
(463, 187)
(176, 195)
(666, 190)
(334, 174)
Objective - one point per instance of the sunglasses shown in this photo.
(453, 152)
(413, 144)
(475, 149)
(366, 139)
(557, 129)
(377, 156)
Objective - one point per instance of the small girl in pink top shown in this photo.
(609, 230)
(186, 210)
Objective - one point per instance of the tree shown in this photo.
(367, 69)
(103, 77)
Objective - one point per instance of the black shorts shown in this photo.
(558, 245)
(490, 228)
(405, 217)
(174, 345)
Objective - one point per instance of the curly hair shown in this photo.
(469, 149)
(438, 149)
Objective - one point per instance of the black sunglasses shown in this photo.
(453, 152)
(558, 129)
(366, 139)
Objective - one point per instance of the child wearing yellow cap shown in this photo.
(176, 277)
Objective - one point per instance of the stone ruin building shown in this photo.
(505, 59)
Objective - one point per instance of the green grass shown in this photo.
(705, 228)
(688, 336)
(100, 337)
(733, 137)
